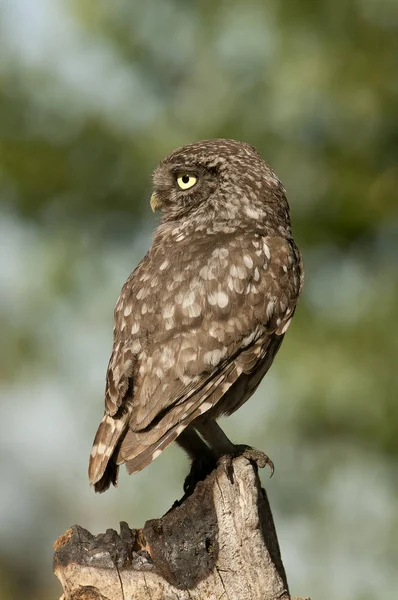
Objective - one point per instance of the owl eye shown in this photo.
(185, 181)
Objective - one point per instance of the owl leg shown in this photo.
(215, 437)
(222, 445)
(193, 444)
(203, 460)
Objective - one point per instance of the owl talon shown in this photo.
(254, 455)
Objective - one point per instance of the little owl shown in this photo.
(200, 320)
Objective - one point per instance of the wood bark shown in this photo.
(219, 543)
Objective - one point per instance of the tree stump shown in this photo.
(217, 543)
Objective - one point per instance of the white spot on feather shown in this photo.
(127, 310)
(212, 299)
(193, 310)
(189, 299)
(101, 449)
(220, 253)
(145, 276)
(164, 265)
(127, 364)
(252, 213)
(135, 346)
(248, 261)
(249, 338)
(237, 271)
(168, 311)
(158, 372)
(266, 250)
(239, 286)
(286, 325)
(206, 273)
(270, 308)
(213, 357)
(222, 299)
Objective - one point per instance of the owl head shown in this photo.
(217, 179)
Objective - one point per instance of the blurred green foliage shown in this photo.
(94, 94)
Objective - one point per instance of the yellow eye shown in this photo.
(186, 181)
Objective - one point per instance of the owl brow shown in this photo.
(181, 170)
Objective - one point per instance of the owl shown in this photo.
(198, 323)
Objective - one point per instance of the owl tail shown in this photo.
(102, 469)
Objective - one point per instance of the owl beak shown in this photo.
(155, 201)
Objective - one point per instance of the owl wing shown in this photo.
(212, 316)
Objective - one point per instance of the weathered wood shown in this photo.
(218, 543)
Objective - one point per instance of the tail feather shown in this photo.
(109, 477)
(146, 454)
(102, 469)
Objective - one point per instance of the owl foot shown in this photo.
(200, 469)
(252, 454)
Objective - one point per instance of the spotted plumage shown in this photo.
(200, 320)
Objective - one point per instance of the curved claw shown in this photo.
(271, 466)
(260, 458)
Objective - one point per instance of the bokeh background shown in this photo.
(92, 95)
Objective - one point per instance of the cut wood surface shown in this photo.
(219, 543)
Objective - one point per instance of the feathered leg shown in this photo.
(203, 459)
(221, 445)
